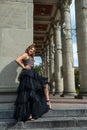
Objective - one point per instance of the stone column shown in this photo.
(51, 59)
(81, 29)
(58, 59)
(67, 51)
(43, 65)
(48, 61)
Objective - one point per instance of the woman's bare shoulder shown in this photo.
(22, 56)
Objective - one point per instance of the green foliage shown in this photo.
(77, 81)
(38, 68)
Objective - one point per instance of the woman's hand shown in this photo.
(27, 67)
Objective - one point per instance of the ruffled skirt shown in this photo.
(31, 98)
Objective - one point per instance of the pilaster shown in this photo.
(16, 33)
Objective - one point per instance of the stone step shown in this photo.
(49, 123)
(67, 112)
(8, 98)
(70, 128)
(61, 112)
(6, 114)
(55, 123)
(6, 105)
(4, 123)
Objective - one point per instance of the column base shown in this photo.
(81, 95)
(52, 93)
(56, 93)
(68, 94)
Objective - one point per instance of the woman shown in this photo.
(33, 92)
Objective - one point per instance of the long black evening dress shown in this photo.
(31, 98)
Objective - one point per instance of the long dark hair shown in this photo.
(29, 47)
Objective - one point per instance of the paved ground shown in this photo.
(67, 102)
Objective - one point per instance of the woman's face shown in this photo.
(31, 51)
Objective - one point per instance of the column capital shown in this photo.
(49, 37)
(55, 23)
(57, 27)
(65, 4)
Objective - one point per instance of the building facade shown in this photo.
(47, 23)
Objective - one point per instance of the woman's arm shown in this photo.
(19, 60)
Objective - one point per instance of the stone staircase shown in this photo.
(72, 116)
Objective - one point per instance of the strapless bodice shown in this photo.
(29, 62)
